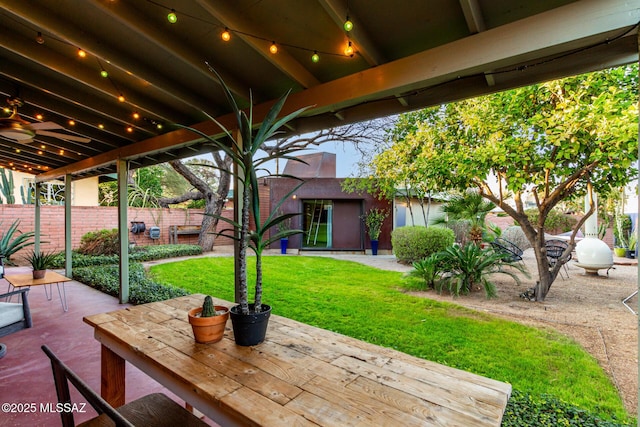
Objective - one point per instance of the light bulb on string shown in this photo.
(226, 35)
(104, 74)
(82, 53)
(273, 48)
(348, 25)
(315, 58)
(348, 51)
(39, 38)
(136, 115)
(172, 17)
(121, 98)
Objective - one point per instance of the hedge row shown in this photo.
(106, 278)
(139, 254)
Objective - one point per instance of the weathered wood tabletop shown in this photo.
(301, 375)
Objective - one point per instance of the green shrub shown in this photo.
(140, 254)
(414, 243)
(101, 242)
(515, 235)
(141, 288)
(556, 222)
(525, 410)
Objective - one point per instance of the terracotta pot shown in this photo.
(39, 274)
(208, 329)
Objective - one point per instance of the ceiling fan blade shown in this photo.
(45, 126)
(64, 137)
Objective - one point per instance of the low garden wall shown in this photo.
(92, 218)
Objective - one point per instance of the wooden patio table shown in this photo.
(300, 376)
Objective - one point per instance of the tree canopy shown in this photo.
(548, 142)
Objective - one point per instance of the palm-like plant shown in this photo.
(470, 266)
(472, 208)
(248, 163)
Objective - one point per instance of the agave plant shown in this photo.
(13, 240)
(243, 150)
(41, 260)
(470, 266)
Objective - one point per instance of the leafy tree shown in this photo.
(554, 141)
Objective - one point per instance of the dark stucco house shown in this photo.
(330, 218)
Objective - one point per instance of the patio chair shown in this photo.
(510, 251)
(14, 316)
(151, 410)
(555, 248)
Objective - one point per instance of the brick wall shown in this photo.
(93, 218)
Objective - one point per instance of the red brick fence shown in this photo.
(93, 218)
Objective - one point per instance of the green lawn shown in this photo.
(366, 303)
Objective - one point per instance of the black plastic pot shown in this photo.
(250, 329)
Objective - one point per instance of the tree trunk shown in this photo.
(214, 201)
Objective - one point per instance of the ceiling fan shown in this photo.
(14, 127)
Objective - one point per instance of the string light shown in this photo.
(226, 35)
(104, 74)
(72, 122)
(39, 38)
(136, 115)
(159, 126)
(348, 51)
(172, 17)
(121, 98)
(82, 53)
(39, 117)
(315, 58)
(130, 129)
(348, 25)
(273, 48)
(100, 126)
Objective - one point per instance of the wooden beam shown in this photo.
(573, 26)
(282, 60)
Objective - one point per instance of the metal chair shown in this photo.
(555, 248)
(510, 251)
(149, 411)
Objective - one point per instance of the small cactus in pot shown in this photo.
(208, 310)
(209, 321)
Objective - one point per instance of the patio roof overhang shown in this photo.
(407, 56)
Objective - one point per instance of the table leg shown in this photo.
(112, 377)
(63, 297)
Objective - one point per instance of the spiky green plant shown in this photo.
(243, 150)
(427, 269)
(41, 260)
(12, 240)
(208, 309)
(470, 266)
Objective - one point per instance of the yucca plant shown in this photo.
(470, 266)
(248, 164)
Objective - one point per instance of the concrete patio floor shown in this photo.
(25, 371)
